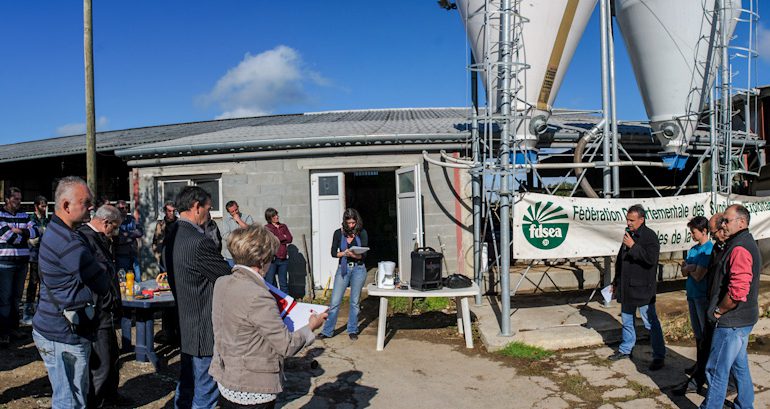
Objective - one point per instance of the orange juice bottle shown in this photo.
(130, 283)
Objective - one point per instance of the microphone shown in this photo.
(628, 230)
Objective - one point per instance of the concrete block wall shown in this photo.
(284, 184)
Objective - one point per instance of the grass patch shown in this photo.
(578, 385)
(677, 327)
(641, 390)
(521, 350)
(420, 305)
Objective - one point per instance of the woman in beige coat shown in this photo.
(250, 339)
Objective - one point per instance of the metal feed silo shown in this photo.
(672, 47)
(550, 31)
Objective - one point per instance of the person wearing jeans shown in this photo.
(196, 388)
(635, 285)
(651, 323)
(16, 229)
(280, 265)
(733, 311)
(70, 277)
(351, 272)
(67, 366)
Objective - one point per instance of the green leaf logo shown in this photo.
(545, 225)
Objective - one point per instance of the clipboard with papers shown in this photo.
(294, 314)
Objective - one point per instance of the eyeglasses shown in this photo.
(726, 220)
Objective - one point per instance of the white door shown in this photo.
(409, 209)
(327, 204)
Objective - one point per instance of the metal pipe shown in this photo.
(578, 157)
(476, 178)
(505, 160)
(613, 105)
(292, 153)
(606, 173)
(450, 158)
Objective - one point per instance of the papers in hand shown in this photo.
(607, 294)
(359, 250)
(294, 314)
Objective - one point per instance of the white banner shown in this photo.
(548, 227)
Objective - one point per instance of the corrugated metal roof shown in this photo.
(113, 140)
(331, 127)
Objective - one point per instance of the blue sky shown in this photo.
(161, 62)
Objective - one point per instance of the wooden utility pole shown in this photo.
(88, 47)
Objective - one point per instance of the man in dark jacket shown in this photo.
(194, 263)
(104, 350)
(635, 285)
(69, 278)
(733, 309)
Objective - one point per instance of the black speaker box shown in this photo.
(426, 269)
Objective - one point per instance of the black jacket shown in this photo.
(109, 305)
(193, 264)
(636, 269)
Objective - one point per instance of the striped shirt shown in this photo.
(14, 247)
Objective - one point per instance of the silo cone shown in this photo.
(672, 49)
(549, 35)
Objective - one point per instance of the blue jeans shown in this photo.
(355, 278)
(67, 367)
(196, 388)
(281, 268)
(698, 307)
(11, 287)
(650, 320)
(728, 354)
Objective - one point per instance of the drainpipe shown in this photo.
(584, 140)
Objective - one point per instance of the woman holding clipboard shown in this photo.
(350, 272)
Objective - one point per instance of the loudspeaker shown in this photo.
(426, 269)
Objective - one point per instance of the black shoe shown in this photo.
(617, 356)
(353, 337)
(657, 364)
(691, 370)
(120, 401)
(320, 336)
(689, 386)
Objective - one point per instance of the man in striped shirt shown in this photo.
(16, 229)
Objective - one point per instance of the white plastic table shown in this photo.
(461, 299)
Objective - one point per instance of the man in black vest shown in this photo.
(698, 371)
(733, 309)
(635, 285)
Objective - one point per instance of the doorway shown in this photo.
(373, 194)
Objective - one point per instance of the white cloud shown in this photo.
(80, 128)
(763, 42)
(261, 83)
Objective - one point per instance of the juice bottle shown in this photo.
(130, 283)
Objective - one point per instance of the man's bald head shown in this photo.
(715, 227)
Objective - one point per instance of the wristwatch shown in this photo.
(717, 311)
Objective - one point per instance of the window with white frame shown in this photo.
(169, 187)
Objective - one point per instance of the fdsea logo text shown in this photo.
(545, 225)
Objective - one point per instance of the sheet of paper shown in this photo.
(359, 250)
(607, 293)
(299, 315)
